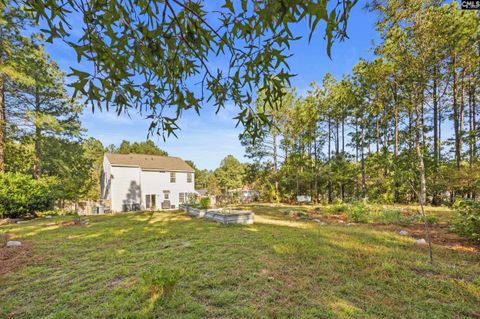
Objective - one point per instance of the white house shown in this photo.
(145, 182)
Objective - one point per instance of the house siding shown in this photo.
(155, 182)
(128, 185)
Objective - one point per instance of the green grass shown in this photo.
(275, 268)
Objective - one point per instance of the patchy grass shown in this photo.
(279, 267)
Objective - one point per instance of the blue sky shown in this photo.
(208, 138)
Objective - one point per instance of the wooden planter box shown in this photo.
(231, 217)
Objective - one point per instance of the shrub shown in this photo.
(431, 219)
(160, 280)
(339, 208)
(390, 216)
(205, 203)
(3, 239)
(467, 219)
(21, 195)
(358, 213)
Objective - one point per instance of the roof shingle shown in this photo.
(153, 162)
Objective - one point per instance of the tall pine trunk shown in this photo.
(422, 194)
(362, 158)
(330, 199)
(436, 156)
(396, 195)
(275, 163)
(3, 124)
(37, 169)
(456, 116)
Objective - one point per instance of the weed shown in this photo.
(358, 213)
(160, 280)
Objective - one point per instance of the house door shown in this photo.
(151, 201)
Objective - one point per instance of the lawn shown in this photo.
(279, 267)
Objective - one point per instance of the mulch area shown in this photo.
(71, 223)
(439, 233)
(12, 258)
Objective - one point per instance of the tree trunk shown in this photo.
(337, 138)
(329, 151)
(435, 119)
(3, 124)
(395, 150)
(456, 116)
(461, 111)
(356, 142)
(439, 132)
(275, 164)
(474, 122)
(37, 169)
(362, 158)
(471, 120)
(329, 138)
(421, 170)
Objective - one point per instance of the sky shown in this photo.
(208, 138)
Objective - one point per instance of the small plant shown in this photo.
(358, 213)
(339, 208)
(205, 203)
(431, 219)
(467, 220)
(3, 240)
(392, 216)
(160, 281)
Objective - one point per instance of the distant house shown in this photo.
(244, 194)
(202, 192)
(145, 182)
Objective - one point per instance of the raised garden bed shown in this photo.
(231, 216)
(195, 212)
(224, 216)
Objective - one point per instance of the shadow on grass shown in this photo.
(288, 269)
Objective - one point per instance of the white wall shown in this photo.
(122, 185)
(154, 182)
(126, 186)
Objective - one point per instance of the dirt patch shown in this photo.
(12, 258)
(425, 272)
(439, 233)
(72, 223)
(117, 281)
(6, 221)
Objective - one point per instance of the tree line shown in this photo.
(400, 126)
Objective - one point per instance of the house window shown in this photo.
(181, 198)
(173, 177)
(150, 201)
(189, 177)
(166, 195)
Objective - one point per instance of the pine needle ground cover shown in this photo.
(168, 265)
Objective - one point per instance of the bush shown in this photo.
(391, 216)
(467, 220)
(339, 208)
(160, 280)
(358, 213)
(205, 203)
(21, 195)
